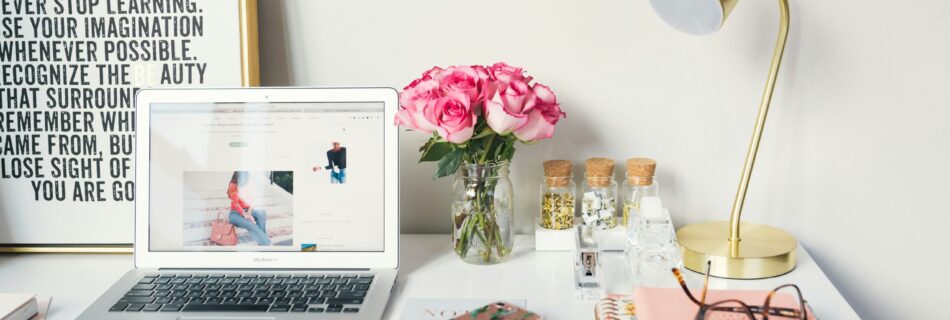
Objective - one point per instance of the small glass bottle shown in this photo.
(557, 195)
(639, 184)
(599, 203)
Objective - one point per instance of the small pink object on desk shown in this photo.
(672, 303)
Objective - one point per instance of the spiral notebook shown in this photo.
(615, 307)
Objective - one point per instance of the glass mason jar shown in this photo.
(557, 202)
(482, 208)
(599, 202)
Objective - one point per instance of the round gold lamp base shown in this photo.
(763, 251)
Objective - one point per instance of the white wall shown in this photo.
(854, 160)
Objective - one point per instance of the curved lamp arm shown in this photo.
(734, 236)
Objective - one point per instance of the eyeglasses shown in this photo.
(736, 309)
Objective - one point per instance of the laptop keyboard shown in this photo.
(210, 292)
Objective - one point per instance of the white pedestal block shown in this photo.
(553, 240)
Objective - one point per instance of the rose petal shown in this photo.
(404, 118)
(414, 120)
(415, 98)
(516, 96)
(500, 120)
(457, 137)
(536, 128)
(432, 73)
(544, 94)
(553, 113)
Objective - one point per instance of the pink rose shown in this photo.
(503, 72)
(432, 73)
(462, 79)
(452, 116)
(482, 72)
(413, 101)
(499, 76)
(543, 115)
(507, 109)
(428, 75)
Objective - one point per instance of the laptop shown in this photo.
(264, 203)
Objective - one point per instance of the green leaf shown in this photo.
(509, 151)
(436, 151)
(500, 151)
(426, 146)
(449, 164)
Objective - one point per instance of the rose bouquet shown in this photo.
(475, 115)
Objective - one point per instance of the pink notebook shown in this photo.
(672, 303)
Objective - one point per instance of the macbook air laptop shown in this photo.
(277, 203)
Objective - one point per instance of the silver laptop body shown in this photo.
(264, 203)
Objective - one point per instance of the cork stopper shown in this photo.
(640, 171)
(599, 171)
(557, 173)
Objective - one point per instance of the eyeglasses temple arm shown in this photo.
(679, 278)
(702, 299)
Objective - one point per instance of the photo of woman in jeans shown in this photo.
(242, 215)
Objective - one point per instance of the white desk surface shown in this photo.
(428, 269)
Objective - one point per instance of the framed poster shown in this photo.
(69, 70)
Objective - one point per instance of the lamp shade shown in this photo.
(697, 17)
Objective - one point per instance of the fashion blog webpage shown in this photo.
(295, 177)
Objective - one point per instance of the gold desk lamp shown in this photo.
(740, 250)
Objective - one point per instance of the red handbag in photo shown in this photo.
(223, 232)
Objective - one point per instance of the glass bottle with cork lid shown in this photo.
(599, 203)
(639, 184)
(557, 195)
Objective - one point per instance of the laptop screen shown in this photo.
(288, 177)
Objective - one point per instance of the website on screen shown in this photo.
(296, 177)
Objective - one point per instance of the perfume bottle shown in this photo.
(588, 281)
(639, 184)
(651, 249)
(599, 202)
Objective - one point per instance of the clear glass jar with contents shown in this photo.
(639, 184)
(557, 196)
(599, 202)
(483, 212)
